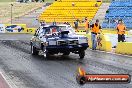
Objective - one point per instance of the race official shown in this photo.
(121, 28)
(86, 26)
(95, 30)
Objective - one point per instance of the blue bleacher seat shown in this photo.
(119, 9)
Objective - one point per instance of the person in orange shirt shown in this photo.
(121, 28)
(95, 30)
(86, 26)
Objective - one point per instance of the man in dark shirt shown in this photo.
(76, 24)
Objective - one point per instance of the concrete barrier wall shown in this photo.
(111, 32)
(130, 32)
(124, 48)
(105, 31)
(104, 45)
(15, 28)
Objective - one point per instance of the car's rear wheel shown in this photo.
(81, 54)
(34, 50)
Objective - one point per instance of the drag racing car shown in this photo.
(54, 39)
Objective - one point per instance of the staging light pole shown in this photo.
(11, 12)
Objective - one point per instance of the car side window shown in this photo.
(47, 31)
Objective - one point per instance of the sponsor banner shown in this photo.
(82, 77)
(2, 28)
(31, 30)
(15, 28)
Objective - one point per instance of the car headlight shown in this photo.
(83, 40)
(52, 42)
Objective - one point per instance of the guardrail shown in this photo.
(16, 28)
(104, 43)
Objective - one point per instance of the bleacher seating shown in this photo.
(119, 9)
(64, 11)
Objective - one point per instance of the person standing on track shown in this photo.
(76, 24)
(95, 30)
(121, 28)
(86, 25)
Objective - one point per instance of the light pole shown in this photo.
(11, 12)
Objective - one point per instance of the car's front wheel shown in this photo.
(81, 54)
(34, 50)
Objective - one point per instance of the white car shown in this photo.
(54, 39)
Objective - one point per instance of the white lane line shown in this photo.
(9, 82)
(111, 53)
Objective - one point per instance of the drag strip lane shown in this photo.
(56, 72)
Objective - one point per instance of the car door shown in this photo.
(36, 38)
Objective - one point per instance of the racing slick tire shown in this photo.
(33, 50)
(66, 53)
(81, 54)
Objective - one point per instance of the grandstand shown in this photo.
(70, 10)
(119, 9)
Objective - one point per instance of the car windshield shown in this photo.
(62, 28)
(55, 29)
(50, 30)
(70, 29)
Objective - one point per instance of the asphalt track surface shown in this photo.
(26, 71)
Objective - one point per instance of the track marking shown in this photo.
(111, 53)
(9, 82)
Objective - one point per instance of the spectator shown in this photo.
(67, 23)
(73, 4)
(96, 5)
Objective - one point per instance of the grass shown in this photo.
(15, 0)
(7, 0)
(106, 1)
(17, 9)
(49, 0)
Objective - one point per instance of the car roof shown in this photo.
(55, 25)
(62, 25)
